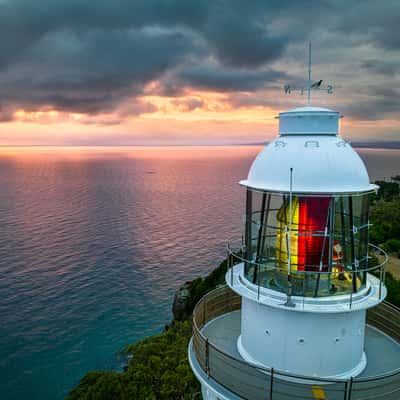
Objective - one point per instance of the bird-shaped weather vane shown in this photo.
(317, 85)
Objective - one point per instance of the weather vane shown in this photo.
(317, 85)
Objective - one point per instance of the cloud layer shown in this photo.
(99, 57)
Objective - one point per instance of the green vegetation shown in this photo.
(385, 217)
(159, 368)
(385, 230)
(387, 190)
(393, 288)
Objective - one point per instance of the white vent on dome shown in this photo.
(309, 121)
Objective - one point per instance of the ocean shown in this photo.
(95, 241)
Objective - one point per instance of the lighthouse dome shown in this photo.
(321, 161)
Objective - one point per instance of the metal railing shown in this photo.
(252, 382)
(237, 255)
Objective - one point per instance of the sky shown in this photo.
(151, 72)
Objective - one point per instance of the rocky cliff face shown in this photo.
(180, 306)
(191, 292)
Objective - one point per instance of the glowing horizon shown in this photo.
(214, 121)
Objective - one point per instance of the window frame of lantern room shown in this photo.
(343, 207)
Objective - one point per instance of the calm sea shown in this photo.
(94, 242)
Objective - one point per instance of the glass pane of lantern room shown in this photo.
(342, 259)
(351, 241)
(312, 236)
(272, 218)
(258, 234)
(361, 207)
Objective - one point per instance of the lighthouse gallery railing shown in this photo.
(249, 381)
(236, 255)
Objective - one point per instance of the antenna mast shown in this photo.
(317, 85)
(309, 74)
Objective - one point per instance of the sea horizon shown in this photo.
(368, 144)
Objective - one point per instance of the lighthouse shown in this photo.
(306, 252)
(302, 315)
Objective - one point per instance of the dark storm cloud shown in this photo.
(89, 57)
(238, 36)
(382, 101)
(24, 22)
(388, 35)
(385, 68)
(94, 71)
(377, 22)
(213, 77)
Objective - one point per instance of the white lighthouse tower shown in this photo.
(292, 321)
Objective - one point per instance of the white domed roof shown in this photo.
(321, 161)
(321, 164)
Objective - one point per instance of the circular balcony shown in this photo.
(215, 359)
(316, 281)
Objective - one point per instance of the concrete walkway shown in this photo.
(383, 355)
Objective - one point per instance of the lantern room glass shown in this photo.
(305, 245)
